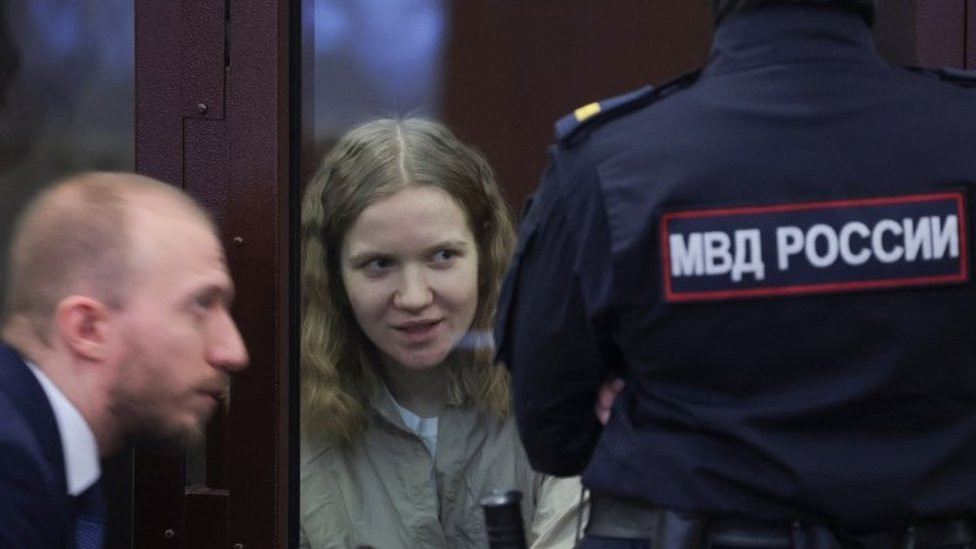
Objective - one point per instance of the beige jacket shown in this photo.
(379, 494)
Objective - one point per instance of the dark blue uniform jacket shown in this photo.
(775, 255)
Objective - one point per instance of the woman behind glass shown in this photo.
(406, 421)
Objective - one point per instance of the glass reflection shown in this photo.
(375, 57)
(66, 93)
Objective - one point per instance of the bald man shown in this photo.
(116, 323)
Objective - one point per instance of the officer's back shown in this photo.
(776, 250)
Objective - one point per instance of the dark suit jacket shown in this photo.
(35, 510)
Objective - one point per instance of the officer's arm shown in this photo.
(550, 330)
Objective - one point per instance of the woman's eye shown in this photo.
(377, 264)
(444, 256)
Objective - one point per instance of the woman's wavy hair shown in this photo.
(339, 364)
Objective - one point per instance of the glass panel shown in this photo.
(498, 73)
(66, 94)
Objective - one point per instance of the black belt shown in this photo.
(613, 517)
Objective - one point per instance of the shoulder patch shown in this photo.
(569, 128)
(964, 78)
(839, 244)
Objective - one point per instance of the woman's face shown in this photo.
(410, 269)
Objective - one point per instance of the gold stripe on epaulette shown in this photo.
(586, 111)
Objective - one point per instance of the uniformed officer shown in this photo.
(774, 253)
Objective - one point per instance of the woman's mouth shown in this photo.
(418, 331)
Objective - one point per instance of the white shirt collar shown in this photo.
(423, 427)
(81, 463)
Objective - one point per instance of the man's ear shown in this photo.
(83, 326)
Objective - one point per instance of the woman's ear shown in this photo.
(82, 324)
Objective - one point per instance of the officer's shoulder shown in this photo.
(949, 75)
(578, 124)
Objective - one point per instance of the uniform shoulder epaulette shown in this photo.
(569, 128)
(961, 77)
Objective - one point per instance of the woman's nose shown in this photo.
(414, 292)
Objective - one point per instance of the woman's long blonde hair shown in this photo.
(339, 365)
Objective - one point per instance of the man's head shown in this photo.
(119, 291)
(723, 8)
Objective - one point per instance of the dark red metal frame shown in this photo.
(941, 33)
(212, 117)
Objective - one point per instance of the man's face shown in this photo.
(178, 341)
